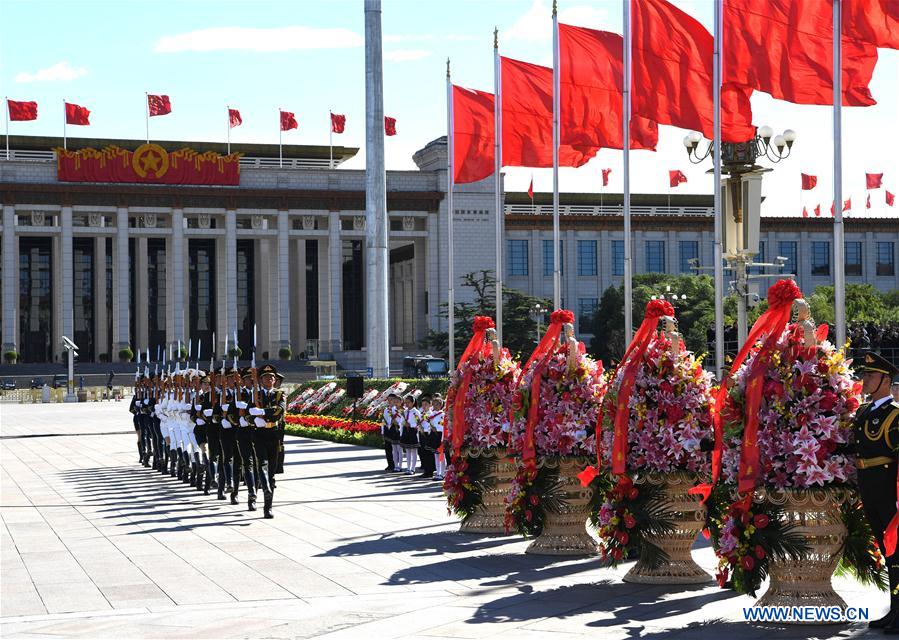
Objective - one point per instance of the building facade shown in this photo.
(144, 266)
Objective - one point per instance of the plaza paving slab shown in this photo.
(96, 546)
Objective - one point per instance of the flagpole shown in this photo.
(450, 179)
(330, 139)
(147, 113)
(497, 181)
(717, 251)
(6, 100)
(229, 129)
(626, 148)
(280, 153)
(557, 262)
(838, 248)
(64, 121)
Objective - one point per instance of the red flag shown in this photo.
(847, 205)
(21, 111)
(159, 105)
(873, 180)
(234, 119)
(288, 121)
(804, 212)
(338, 123)
(605, 176)
(672, 74)
(874, 21)
(531, 190)
(590, 81)
(785, 48)
(808, 182)
(818, 211)
(527, 103)
(890, 199)
(868, 203)
(675, 177)
(473, 135)
(389, 126)
(76, 114)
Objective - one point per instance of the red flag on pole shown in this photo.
(338, 123)
(785, 48)
(873, 180)
(874, 21)
(234, 119)
(77, 115)
(818, 211)
(804, 212)
(473, 135)
(531, 190)
(672, 74)
(847, 205)
(288, 121)
(389, 126)
(676, 177)
(868, 203)
(890, 199)
(591, 84)
(808, 182)
(605, 176)
(158, 105)
(21, 111)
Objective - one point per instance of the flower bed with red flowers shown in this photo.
(344, 430)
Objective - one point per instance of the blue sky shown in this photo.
(307, 57)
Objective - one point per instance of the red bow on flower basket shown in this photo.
(545, 348)
(475, 345)
(770, 325)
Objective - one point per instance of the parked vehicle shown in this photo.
(37, 383)
(9, 385)
(424, 367)
(60, 380)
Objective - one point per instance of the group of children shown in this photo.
(408, 430)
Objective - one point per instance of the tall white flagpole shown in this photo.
(839, 296)
(626, 148)
(6, 102)
(557, 262)
(450, 179)
(330, 139)
(716, 145)
(280, 129)
(147, 113)
(497, 175)
(64, 122)
(229, 129)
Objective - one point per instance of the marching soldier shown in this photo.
(267, 414)
(877, 449)
(245, 431)
(135, 409)
(228, 436)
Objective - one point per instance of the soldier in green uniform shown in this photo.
(877, 449)
(267, 415)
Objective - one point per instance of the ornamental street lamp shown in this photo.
(741, 199)
(539, 311)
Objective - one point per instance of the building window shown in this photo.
(853, 265)
(201, 287)
(35, 299)
(83, 296)
(820, 258)
(886, 259)
(245, 300)
(617, 257)
(586, 257)
(311, 290)
(586, 307)
(156, 294)
(689, 250)
(787, 249)
(353, 296)
(655, 256)
(548, 257)
(518, 258)
(759, 257)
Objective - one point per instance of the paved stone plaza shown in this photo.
(95, 546)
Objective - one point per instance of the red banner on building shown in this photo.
(149, 163)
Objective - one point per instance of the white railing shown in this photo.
(245, 161)
(32, 156)
(604, 210)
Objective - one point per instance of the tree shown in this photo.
(519, 320)
(864, 303)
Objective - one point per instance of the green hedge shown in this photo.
(428, 386)
(337, 435)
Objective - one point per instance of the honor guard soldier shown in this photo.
(267, 412)
(245, 432)
(135, 409)
(228, 435)
(877, 449)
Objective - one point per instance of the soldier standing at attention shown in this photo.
(267, 413)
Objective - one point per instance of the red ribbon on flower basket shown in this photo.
(770, 324)
(547, 346)
(475, 345)
(890, 533)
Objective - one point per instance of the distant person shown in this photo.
(302, 355)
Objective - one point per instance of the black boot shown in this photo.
(189, 471)
(890, 622)
(140, 453)
(267, 506)
(174, 462)
(251, 503)
(201, 468)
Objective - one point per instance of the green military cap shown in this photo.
(269, 370)
(876, 363)
(246, 371)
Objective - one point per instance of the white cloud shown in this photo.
(405, 55)
(535, 24)
(265, 40)
(59, 72)
(420, 37)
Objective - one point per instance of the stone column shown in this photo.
(121, 308)
(141, 294)
(283, 289)
(299, 299)
(177, 265)
(66, 264)
(100, 318)
(334, 285)
(265, 301)
(231, 274)
(10, 280)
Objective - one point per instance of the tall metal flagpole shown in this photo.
(64, 122)
(330, 139)
(229, 129)
(717, 251)
(280, 129)
(6, 103)
(626, 148)
(147, 113)
(839, 293)
(497, 176)
(557, 262)
(450, 179)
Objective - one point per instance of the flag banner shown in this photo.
(808, 182)
(676, 177)
(288, 121)
(672, 74)
(158, 105)
(389, 126)
(804, 212)
(149, 163)
(234, 119)
(874, 21)
(527, 104)
(531, 190)
(785, 48)
(338, 123)
(473, 135)
(591, 74)
(890, 199)
(847, 205)
(868, 203)
(605, 177)
(873, 180)
(21, 111)
(77, 115)
(818, 211)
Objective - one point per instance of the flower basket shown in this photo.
(487, 513)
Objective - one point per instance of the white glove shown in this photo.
(200, 422)
(198, 407)
(260, 422)
(207, 412)
(225, 406)
(243, 422)
(240, 404)
(257, 411)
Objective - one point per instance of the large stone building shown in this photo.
(112, 265)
